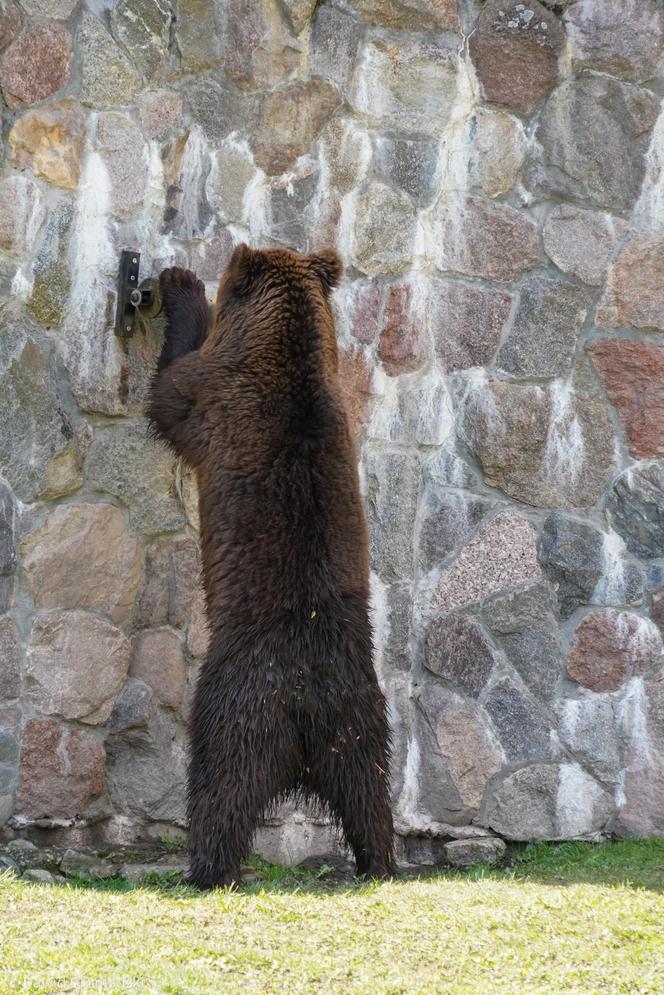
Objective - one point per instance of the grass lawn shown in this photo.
(570, 918)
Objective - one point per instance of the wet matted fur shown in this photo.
(287, 700)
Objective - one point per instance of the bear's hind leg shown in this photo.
(349, 772)
(243, 758)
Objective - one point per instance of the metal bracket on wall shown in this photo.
(134, 298)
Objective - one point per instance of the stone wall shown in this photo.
(492, 175)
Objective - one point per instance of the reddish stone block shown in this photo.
(401, 346)
(36, 64)
(633, 374)
(62, 771)
(609, 647)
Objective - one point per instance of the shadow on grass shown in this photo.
(635, 864)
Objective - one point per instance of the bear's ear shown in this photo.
(244, 267)
(328, 268)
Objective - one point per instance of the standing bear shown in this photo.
(287, 701)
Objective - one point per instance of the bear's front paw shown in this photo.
(177, 283)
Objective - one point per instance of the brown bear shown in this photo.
(287, 701)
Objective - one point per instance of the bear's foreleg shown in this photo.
(187, 314)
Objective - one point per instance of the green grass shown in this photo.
(571, 918)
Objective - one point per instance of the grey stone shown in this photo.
(409, 164)
(198, 35)
(466, 853)
(60, 9)
(299, 13)
(38, 876)
(188, 213)
(289, 221)
(517, 610)
(619, 37)
(107, 76)
(417, 413)
(8, 747)
(391, 507)
(32, 403)
(588, 566)
(335, 38)
(446, 469)
(405, 87)
(587, 729)
(582, 243)
(217, 106)
(594, 132)
(522, 727)
(7, 777)
(7, 544)
(6, 862)
(457, 649)
(492, 151)
(448, 521)
(134, 707)
(543, 446)
(231, 171)
(21, 846)
(52, 279)
(23, 214)
(146, 772)
(122, 148)
(172, 582)
(535, 654)
(87, 867)
(126, 462)
(384, 231)
(396, 651)
(549, 802)
(143, 27)
(545, 331)
(636, 508)
(458, 755)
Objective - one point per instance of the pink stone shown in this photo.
(160, 111)
(83, 557)
(634, 295)
(62, 771)
(364, 310)
(502, 555)
(609, 647)
(75, 666)
(10, 21)
(515, 50)
(36, 64)
(401, 347)
(288, 121)
(198, 636)
(159, 662)
(633, 374)
(356, 378)
(468, 322)
(481, 238)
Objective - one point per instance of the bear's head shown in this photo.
(266, 292)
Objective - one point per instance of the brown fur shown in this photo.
(287, 700)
